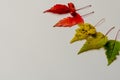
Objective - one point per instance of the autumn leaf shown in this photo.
(83, 32)
(95, 42)
(112, 48)
(62, 9)
(70, 21)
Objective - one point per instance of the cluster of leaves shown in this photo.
(69, 21)
(85, 31)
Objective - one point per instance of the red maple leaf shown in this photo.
(70, 21)
(61, 9)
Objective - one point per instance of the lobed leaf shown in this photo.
(61, 9)
(70, 21)
(95, 42)
(83, 32)
(112, 48)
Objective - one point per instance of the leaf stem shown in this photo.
(84, 7)
(88, 14)
(117, 34)
(100, 22)
(109, 30)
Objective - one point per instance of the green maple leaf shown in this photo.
(112, 50)
(95, 42)
(83, 31)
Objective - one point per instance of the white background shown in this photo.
(31, 49)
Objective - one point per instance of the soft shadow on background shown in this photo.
(31, 49)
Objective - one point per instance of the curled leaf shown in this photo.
(83, 32)
(95, 42)
(112, 48)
